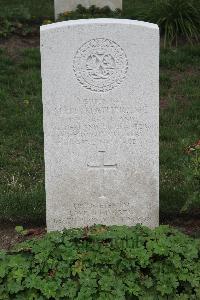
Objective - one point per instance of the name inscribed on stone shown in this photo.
(87, 121)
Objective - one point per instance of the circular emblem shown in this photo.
(100, 65)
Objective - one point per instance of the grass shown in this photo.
(22, 195)
(21, 152)
(179, 123)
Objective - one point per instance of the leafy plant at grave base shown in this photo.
(176, 19)
(20, 230)
(192, 173)
(91, 12)
(100, 262)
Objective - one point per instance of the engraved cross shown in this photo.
(102, 167)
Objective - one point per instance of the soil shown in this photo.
(15, 44)
(189, 226)
(9, 237)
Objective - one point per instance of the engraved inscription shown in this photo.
(100, 65)
(96, 121)
(102, 167)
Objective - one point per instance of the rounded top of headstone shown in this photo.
(58, 25)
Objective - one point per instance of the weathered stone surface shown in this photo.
(100, 98)
(62, 6)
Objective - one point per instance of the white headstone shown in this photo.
(62, 6)
(100, 98)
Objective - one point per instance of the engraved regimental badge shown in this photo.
(100, 65)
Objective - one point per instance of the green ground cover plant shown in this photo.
(116, 262)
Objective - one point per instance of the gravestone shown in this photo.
(100, 98)
(62, 6)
